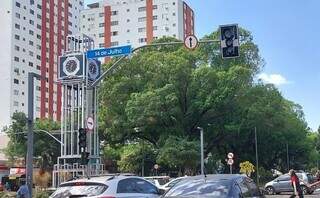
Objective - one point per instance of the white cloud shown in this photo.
(276, 79)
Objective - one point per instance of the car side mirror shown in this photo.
(277, 180)
(161, 191)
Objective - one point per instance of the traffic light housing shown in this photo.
(229, 40)
(82, 139)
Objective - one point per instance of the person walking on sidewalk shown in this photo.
(295, 182)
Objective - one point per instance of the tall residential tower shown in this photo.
(32, 37)
(136, 22)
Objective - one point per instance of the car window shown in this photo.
(197, 188)
(284, 178)
(171, 184)
(135, 185)
(84, 189)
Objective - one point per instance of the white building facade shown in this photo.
(32, 37)
(136, 22)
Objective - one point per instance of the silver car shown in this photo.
(283, 184)
(108, 187)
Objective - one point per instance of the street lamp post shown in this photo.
(137, 129)
(201, 145)
(29, 170)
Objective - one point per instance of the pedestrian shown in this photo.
(295, 182)
(23, 191)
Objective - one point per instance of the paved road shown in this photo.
(285, 195)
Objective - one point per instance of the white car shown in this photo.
(171, 183)
(108, 187)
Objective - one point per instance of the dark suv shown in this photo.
(215, 186)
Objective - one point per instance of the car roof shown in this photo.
(216, 177)
(100, 179)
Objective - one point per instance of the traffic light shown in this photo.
(229, 41)
(82, 139)
(84, 158)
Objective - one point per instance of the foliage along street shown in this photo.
(150, 108)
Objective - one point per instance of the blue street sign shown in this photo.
(108, 52)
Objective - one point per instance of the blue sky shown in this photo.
(288, 35)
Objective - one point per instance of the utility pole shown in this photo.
(29, 167)
(257, 159)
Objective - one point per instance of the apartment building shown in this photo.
(136, 22)
(32, 37)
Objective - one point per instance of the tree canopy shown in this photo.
(169, 91)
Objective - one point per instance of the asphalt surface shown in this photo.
(284, 195)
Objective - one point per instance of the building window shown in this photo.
(31, 43)
(31, 64)
(38, 36)
(142, 40)
(18, 4)
(142, 29)
(100, 14)
(17, 26)
(16, 81)
(38, 57)
(39, 16)
(101, 45)
(38, 67)
(142, 19)
(174, 25)
(15, 103)
(39, 26)
(155, 17)
(31, 11)
(30, 53)
(155, 7)
(15, 92)
(114, 13)
(31, 22)
(128, 20)
(174, 14)
(17, 37)
(17, 48)
(114, 23)
(101, 35)
(155, 27)
(18, 15)
(31, 2)
(115, 33)
(141, 9)
(16, 59)
(31, 32)
(101, 24)
(116, 43)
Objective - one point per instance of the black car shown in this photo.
(221, 185)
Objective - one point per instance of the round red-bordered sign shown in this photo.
(191, 42)
(90, 123)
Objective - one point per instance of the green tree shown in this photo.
(44, 146)
(180, 154)
(134, 154)
(169, 91)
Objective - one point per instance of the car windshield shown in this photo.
(218, 188)
(85, 189)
